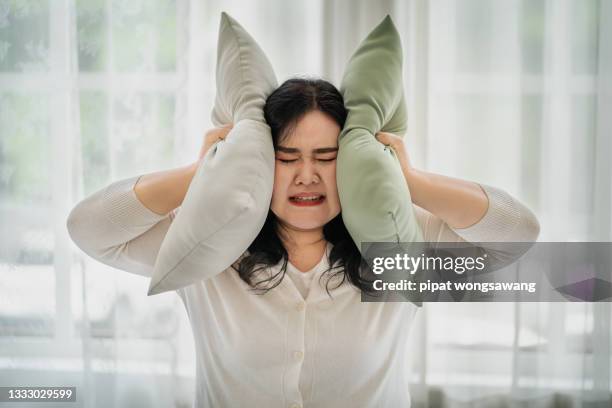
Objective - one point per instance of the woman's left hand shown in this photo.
(397, 144)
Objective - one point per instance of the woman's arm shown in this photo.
(459, 203)
(124, 224)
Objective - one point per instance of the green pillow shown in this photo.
(374, 195)
(228, 199)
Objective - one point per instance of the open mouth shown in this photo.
(307, 200)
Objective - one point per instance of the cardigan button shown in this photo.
(298, 355)
(295, 405)
(300, 306)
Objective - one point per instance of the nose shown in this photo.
(306, 174)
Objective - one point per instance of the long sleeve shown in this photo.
(115, 228)
(506, 220)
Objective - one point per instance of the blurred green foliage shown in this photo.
(24, 35)
(141, 34)
(25, 162)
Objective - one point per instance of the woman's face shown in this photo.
(305, 195)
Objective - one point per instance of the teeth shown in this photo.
(306, 198)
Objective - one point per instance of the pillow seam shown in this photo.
(240, 59)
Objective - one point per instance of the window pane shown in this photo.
(92, 26)
(583, 154)
(457, 330)
(94, 140)
(531, 135)
(585, 27)
(142, 133)
(532, 34)
(117, 305)
(485, 36)
(25, 147)
(24, 35)
(579, 327)
(19, 281)
(144, 35)
(487, 127)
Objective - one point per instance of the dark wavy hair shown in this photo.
(283, 109)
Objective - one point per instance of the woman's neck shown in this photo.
(303, 246)
(296, 239)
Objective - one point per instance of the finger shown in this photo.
(225, 130)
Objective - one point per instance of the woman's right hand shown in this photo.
(212, 136)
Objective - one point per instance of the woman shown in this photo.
(267, 340)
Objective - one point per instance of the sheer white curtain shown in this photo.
(516, 94)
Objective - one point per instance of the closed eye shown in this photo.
(294, 160)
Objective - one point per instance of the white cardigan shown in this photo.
(279, 349)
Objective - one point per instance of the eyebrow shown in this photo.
(296, 150)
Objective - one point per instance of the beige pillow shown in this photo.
(228, 200)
